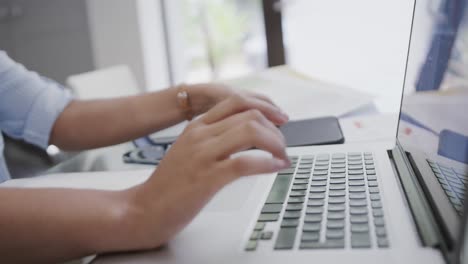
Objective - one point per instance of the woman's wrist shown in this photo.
(204, 96)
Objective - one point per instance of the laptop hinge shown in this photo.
(426, 224)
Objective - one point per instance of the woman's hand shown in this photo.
(206, 96)
(199, 164)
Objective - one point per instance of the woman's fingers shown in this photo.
(247, 135)
(233, 121)
(237, 104)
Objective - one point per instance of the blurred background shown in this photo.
(359, 44)
(108, 48)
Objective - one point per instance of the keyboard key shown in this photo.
(358, 210)
(360, 195)
(259, 226)
(379, 221)
(370, 172)
(300, 181)
(311, 227)
(316, 195)
(266, 235)
(357, 202)
(321, 168)
(360, 228)
(334, 243)
(338, 176)
(272, 208)
(318, 173)
(338, 181)
(336, 200)
(355, 172)
(377, 213)
(323, 157)
(297, 194)
(356, 189)
(335, 234)
(335, 224)
(251, 245)
(310, 236)
(376, 204)
(314, 210)
(320, 178)
(337, 187)
(313, 218)
(336, 207)
(294, 207)
(375, 197)
(371, 177)
(382, 242)
(360, 240)
(372, 184)
(318, 189)
(315, 202)
(279, 190)
(380, 231)
(359, 219)
(354, 162)
(339, 165)
(374, 190)
(292, 215)
(337, 193)
(356, 183)
(334, 171)
(356, 177)
(255, 235)
(355, 167)
(296, 200)
(303, 176)
(290, 223)
(302, 187)
(268, 217)
(336, 216)
(286, 237)
(318, 183)
(338, 156)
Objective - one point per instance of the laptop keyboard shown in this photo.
(453, 182)
(323, 201)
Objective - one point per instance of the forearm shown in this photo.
(97, 123)
(52, 225)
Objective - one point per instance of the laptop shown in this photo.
(396, 201)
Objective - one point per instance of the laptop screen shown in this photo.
(433, 125)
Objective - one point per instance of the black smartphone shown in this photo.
(315, 131)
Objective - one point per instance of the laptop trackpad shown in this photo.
(233, 196)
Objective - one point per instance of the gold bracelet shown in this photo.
(183, 100)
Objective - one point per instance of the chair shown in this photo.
(116, 81)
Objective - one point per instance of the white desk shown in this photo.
(361, 126)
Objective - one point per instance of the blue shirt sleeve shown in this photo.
(29, 103)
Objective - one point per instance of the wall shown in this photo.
(361, 44)
(129, 32)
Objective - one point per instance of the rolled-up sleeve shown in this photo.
(29, 104)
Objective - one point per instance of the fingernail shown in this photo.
(280, 164)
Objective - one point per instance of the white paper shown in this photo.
(369, 128)
(303, 98)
